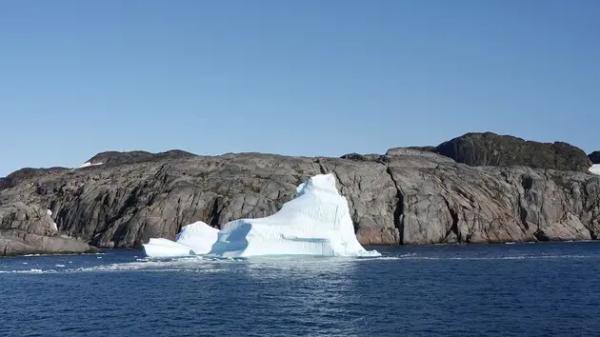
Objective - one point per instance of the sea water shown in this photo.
(543, 289)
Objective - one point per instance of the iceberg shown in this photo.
(595, 169)
(198, 236)
(317, 222)
(166, 248)
(194, 239)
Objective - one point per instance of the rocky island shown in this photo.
(477, 188)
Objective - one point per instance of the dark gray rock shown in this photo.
(112, 158)
(445, 202)
(595, 157)
(424, 152)
(490, 149)
(21, 243)
(29, 229)
(27, 173)
(366, 157)
(409, 197)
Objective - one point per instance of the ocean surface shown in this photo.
(545, 289)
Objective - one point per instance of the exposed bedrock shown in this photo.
(118, 158)
(595, 157)
(408, 196)
(490, 149)
(29, 229)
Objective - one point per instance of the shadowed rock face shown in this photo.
(408, 196)
(595, 157)
(490, 149)
(30, 229)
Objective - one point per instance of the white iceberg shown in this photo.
(595, 169)
(198, 236)
(316, 222)
(194, 239)
(166, 248)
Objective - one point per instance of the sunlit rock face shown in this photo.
(316, 222)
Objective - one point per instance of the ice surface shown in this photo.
(194, 239)
(198, 236)
(166, 248)
(316, 222)
(595, 169)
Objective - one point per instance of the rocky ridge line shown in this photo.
(408, 196)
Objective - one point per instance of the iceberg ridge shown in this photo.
(194, 239)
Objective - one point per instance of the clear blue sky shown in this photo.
(292, 77)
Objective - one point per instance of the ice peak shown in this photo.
(318, 184)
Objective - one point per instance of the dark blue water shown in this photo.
(495, 290)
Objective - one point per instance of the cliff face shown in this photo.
(405, 197)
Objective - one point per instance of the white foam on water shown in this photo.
(208, 264)
(28, 271)
(172, 265)
(517, 257)
(61, 254)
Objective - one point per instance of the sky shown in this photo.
(291, 77)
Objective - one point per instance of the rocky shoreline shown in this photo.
(474, 189)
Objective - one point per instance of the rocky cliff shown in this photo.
(490, 149)
(408, 196)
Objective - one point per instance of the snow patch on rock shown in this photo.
(88, 164)
(53, 225)
(595, 169)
